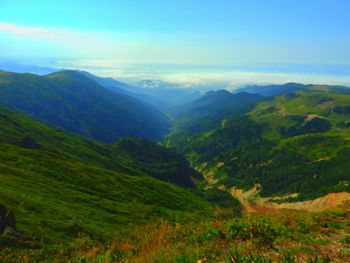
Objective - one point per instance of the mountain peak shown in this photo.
(220, 92)
(66, 74)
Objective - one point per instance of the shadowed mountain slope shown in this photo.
(75, 103)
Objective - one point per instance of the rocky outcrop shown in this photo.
(7, 220)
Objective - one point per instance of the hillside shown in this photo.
(213, 103)
(126, 89)
(171, 94)
(159, 94)
(77, 104)
(210, 111)
(59, 185)
(295, 144)
(260, 238)
(158, 161)
(12, 66)
(274, 90)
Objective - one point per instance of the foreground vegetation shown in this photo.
(284, 237)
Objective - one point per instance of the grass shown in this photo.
(60, 186)
(77, 200)
(293, 143)
(285, 237)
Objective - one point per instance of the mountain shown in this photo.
(154, 92)
(73, 102)
(214, 102)
(274, 90)
(171, 94)
(159, 161)
(12, 66)
(126, 89)
(293, 144)
(109, 83)
(211, 110)
(59, 185)
(159, 94)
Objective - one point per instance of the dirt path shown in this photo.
(245, 198)
(319, 204)
(252, 203)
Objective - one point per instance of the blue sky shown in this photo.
(192, 32)
(218, 32)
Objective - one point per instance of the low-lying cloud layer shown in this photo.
(212, 77)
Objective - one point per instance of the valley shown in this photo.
(152, 131)
(220, 177)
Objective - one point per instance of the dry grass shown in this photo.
(300, 235)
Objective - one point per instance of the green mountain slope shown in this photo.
(294, 143)
(274, 90)
(210, 111)
(158, 161)
(59, 185)
(214, 103)
(160, 94)
(126, 89)
(75, 103)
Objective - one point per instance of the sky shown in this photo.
(223, 33)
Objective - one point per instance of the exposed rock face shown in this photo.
(7, 219)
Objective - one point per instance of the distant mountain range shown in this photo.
(273, 90)
(171, 94)
(76, 103)
(211, 110)
(12, 66)
(214, 102)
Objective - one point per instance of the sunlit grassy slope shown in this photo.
(294, 143)
(59, 185)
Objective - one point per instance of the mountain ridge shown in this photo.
(280, 89)
(291, 143)
(78, 104)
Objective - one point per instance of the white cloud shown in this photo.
(132, 50)
(35, 33)
(71, 43)
(197, 76)
(18, 30)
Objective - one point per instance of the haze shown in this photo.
(193, 43)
